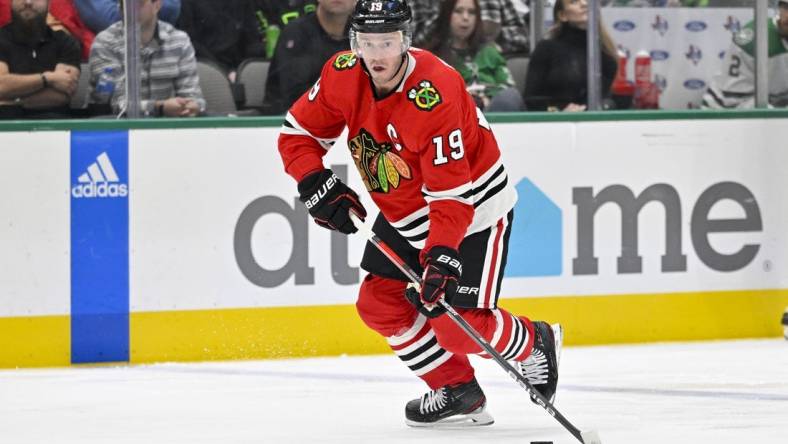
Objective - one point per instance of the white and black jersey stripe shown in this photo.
(293, 128)
(494, 196)
(414, 227)
(491, 195)
(418, 348)
(462, 194)
(715, 98)
(489, 184)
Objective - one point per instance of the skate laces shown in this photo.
(534, 368)
(433, 401)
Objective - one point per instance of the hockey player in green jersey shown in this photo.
(734, 87)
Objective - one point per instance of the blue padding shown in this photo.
(99, 246)
(536, 243)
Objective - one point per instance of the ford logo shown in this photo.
(624, 25)
(696, 26)
(658, 55)
(694, 84)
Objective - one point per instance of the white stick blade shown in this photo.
(590, 437)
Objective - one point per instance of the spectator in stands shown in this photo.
(63, 16)
(500, 23)
(302, 50)
(503, 24)
(168, 67)
(424, 21)
(557, 72)
(734, 87)
(226, 35)
(273, 15)
(39, 67)
(100, 14)
(458, 39)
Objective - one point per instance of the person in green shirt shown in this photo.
(458, 40)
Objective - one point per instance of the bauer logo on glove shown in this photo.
(327, 185)
(450, 261)
(330, 201)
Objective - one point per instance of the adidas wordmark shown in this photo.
(100, 180)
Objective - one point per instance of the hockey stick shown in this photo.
(586, 437)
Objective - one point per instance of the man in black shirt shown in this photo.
(226, 33)
(39, 67)
(302, 49)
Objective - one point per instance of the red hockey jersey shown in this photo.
(425, 152)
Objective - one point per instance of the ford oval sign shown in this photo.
(696, 26)
(658, 55)
(694, 84)
(624, 25)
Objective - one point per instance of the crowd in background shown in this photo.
(45, 45)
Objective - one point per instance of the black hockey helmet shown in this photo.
(379, 16)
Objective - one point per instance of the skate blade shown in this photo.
(558, 334)
(478, 417)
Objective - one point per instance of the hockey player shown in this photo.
(734, 87)
(432, 166)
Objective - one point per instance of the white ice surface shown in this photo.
(705, 392)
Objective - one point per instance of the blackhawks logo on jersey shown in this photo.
(381, 168)
(346, 60)
(425, 97)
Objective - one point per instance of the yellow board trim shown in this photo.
(41, 341)
(334, 330)
(282, 332)
(696, 316)
(309, 331)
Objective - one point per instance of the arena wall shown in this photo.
(150, 241)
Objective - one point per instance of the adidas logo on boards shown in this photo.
(100, 180)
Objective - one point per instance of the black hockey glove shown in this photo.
(329, 201)
(442, 270)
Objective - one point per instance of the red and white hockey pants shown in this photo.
(436, 349)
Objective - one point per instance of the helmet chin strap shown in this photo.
(401, 62)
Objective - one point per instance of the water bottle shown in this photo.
(271, 36)
(105, 87)
(646, 92)
(622, 90)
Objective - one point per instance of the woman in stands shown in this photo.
(557, 71)
(458, 40)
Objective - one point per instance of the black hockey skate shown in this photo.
(453, 406)
(540, 368)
